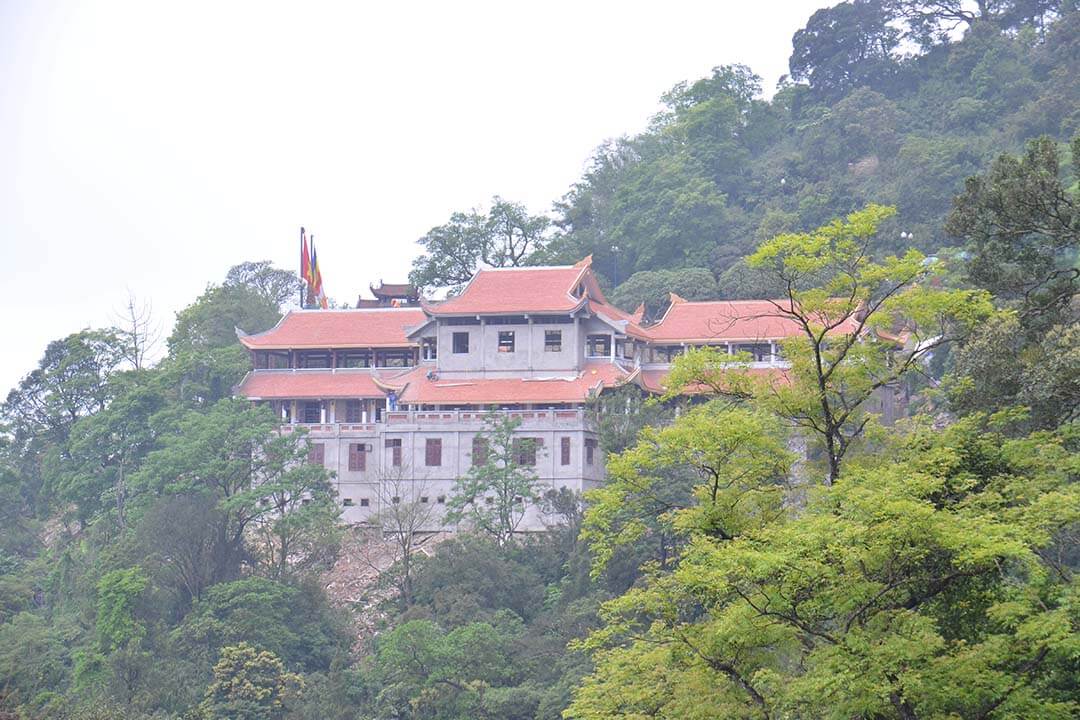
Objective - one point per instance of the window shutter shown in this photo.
(357, 457)
(433, 452)
(565, 450)
(479, 450)
(317, 454)
(395, 451)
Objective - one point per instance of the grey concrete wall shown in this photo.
(529, 355)
(373, 482)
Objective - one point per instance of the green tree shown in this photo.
(654, 287)
(105, 448)
(727, 462)
(250, 684)
(276, 286)
(258, 478)
(918, 589)
(845, 46)
(470, 578)
(293, 622)
(118, 595)
(505, 236)
(846, 307)
(1021, 223)
(33, 659)
(426, 672)
(496, 491)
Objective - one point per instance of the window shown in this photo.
(364, 502)
(590, 450)
(394, 358)
(429, 348)
(395, 500)
(433, 452)
(461, 343)
(355, 359)
(424, 499)
(553, 341)
(358, 456)
(479, 450)
(353, 411)
(525, 450)
(508, 320)
(395, 451)
(316, 454)
(553, 320)
(441, 499)
(506, 341)
(598, 345)
(314, 360)
(312, 412)
(519, 500)
(347, 502)
(759, 352)
(564, 451)
(463, 321)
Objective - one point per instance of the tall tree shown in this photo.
(276, 286)
(250, 684)
(405, 511)
(938, 21)
(257, 477)
(494, 494)
(505, 236)
(926, 587)
(846, 46)
(1021, 223)
(847, 307)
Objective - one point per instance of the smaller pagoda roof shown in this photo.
(406, 291)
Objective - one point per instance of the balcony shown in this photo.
(469, 420)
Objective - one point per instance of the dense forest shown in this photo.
(918, 174)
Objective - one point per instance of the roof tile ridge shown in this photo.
(527, 267)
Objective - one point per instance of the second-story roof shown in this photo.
(422, 387)
(725, 321)
(521, 290)
(308, 329)
(309, 384)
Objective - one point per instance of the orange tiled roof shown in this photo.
(725, 320)
(521, 290)
(502, 391)
(300, 329)
(313, 384)
(633, 321)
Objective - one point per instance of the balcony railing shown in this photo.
(397, 419)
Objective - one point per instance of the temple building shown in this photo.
(398, 392)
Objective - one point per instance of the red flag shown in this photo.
(305, 259)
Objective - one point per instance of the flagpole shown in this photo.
(303, 282)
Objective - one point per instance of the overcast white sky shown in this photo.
(150, 146)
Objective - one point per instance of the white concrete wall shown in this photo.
(373, 482)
